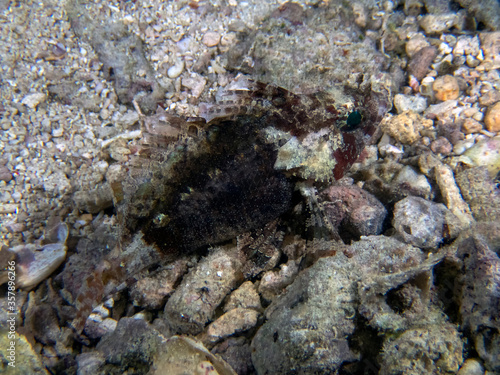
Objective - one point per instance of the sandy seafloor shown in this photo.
(414, 290)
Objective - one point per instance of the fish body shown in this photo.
(236, 175)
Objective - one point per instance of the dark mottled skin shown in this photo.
(230, 189)
(201, 191)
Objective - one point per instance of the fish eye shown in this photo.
(353, 121)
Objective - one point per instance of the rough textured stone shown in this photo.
(435, 349)
(307, 328)
(405, 127)
(486, 153)
(420, 63)
(438, 23)
(479, 191)
(490, 44)
(471, 126)
(354, 211)
(245, 296)
(33, 100)
(479, 299)
(471, 366)
(421, 222)
(446, 88)
(182, 355)
(492, 118)
(26, 360)
(5, 174)
(151, 292)
(273, 283)
(195, 300)
(451, 194)
(133, 343)
(234, 321)
(417, 104)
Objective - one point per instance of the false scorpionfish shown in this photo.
(238, 173)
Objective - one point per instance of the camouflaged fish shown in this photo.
(237, 173)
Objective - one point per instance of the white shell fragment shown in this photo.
(35, 263)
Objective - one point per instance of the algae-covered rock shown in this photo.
(24, 361)
(480, 193)
(293, 36)
(479, 297)
(308, 327)
(423, 223)
(130, 347)
(435, 349)
(194, 302)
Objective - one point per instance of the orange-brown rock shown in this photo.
(446, 88)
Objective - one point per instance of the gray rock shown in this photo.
(420, 222)
(416, 182)
(417, 104)
(387, 265)
(420, 63)
(354, 211)
(479, 298)
(150, 292)
(133, 343)
(486, 11)
(479, 191)
(308, 327)
(89, 363)
(289, 38)
(194, 302)
(234, 321)
(438, 23)
(5, 174)
(434, 349)
(237, 353)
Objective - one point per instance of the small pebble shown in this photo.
(128, 119)
(471, 366)
(419, 222)
(426, 87)
(446, 88)
(403, 103)
(471, 126)
(438, 23)
(478, 116)
(405, 127)
(196, 83)
(486, 153)
(471, 61)
(105, 114)
(415, 44)
(492, 118)
(467, 45)
(5, 174)
(175, 70)
(33, 100)
(490, 44)
(420, 63)
(234, 321)
(57, 132)
(211, 39)
(469, 112)
(451, 194)
(17, 196)
(461, 146)
(441, 146)
(489, 97)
